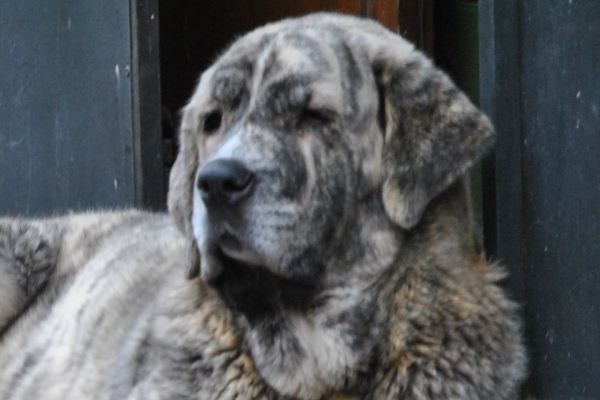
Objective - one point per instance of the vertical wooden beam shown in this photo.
(386, 12)
(500, 98)
(147, 133)
(415, 20)
(342, 6)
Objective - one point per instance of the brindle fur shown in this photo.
(353, 271)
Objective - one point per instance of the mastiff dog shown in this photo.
(319, 210)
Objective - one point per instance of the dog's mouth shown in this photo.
(227, 252)
(234, 249)
(243, 278)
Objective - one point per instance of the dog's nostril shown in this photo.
(203, 185)
(233, 185)
(224, 181)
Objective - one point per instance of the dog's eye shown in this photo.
(313, 117)
(212, 122)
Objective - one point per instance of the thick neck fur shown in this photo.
(313, 337)
(309, 339)
(437, 301)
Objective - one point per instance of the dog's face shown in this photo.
(288, 140)
(295, 131)
(307, 150)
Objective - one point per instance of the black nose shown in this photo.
(224, 182)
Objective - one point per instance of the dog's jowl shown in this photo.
(318, 210)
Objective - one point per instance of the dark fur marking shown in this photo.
(353, 73)
(139, 360)
(197, 365)
(275, 333)
(411, 373)
(230, 89)
(26, 250)
(243, 66)
(293, 164)
(330, 135)
(356, 324)
(271, 64)
(366, 374)
(43, 295)
(259, 294)
(283, 101)
(353, 80)
(190, 365)
(381, 118)
(87, 343)
(30, 361)
(307, 269)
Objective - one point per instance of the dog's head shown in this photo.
(297, 127)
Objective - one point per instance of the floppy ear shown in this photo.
(433, 133)
(180, 199)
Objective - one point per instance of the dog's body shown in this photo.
(319, 191)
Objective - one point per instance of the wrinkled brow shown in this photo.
(309, 47)
(289, 93)
(230, 85)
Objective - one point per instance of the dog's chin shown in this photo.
(245, 281)
(238, 251)
(229, 252)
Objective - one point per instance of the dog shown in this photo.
(318, 206)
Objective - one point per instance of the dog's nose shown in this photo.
(224, 182)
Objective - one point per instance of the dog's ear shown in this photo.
(433, 133)
(181, 184)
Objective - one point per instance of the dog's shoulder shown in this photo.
(453, 332)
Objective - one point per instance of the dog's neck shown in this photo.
(311, 337)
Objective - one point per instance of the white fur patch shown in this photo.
(306, 149)
(327, 362)
(199, 222)
(228, 149)
(258, 72)
(210, 266)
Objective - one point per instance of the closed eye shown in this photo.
(315, 117)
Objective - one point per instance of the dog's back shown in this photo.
(94, 306)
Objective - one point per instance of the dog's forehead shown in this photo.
(316, 58)
(273, 55)
(308, 45)
(273, 52)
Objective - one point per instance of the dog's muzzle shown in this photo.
(224, 182)
(224, 185)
